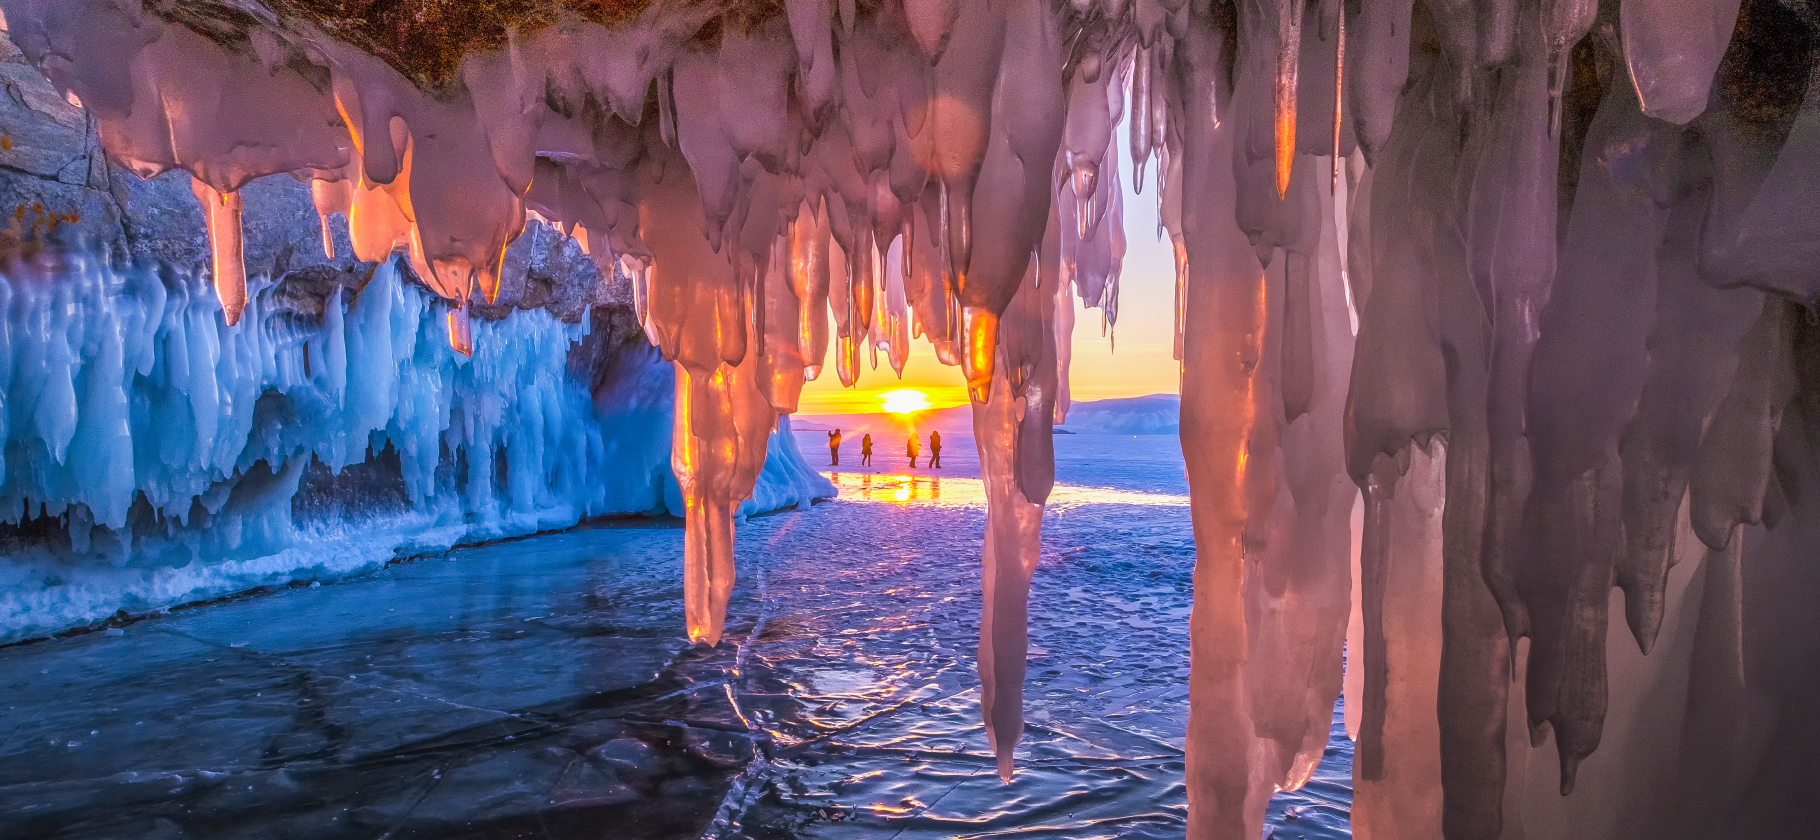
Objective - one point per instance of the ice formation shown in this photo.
(1530, 275)
(173, 448)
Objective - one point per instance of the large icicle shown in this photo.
(1225, 310)
(221, 213)
(1012, 431)
(1289, 59)
(723, 420)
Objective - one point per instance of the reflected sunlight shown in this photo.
(971, 492)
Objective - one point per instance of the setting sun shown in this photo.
(904, 401)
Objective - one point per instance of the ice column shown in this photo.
(1013, 432)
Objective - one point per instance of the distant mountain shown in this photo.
(1157, 414)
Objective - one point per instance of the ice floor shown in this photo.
(541, 687)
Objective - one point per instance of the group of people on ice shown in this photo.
(913, 448)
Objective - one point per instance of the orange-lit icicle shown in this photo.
(461, 329)
(1339, 97)
(221, 212)
(1289, 56)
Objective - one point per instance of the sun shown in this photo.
(904, 401)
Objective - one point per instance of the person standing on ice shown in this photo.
(914, 449)
(865, 451)
(834, 448)
(935, 450)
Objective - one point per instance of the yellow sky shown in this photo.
(1142, 362)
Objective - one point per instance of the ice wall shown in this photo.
(170, 446)
(1533, 276)
(154, 455)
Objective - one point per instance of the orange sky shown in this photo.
(1142, 363)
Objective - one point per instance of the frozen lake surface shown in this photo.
(542, 687)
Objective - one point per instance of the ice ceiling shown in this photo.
(1530, 274)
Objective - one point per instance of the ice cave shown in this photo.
(1494, 321)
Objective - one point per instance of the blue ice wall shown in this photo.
(152, 456)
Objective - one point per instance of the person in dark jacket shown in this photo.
(935, 450)
(865, 451)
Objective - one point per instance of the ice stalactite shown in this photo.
(1014, 427)
(1672, 50)
(808, 274)
(702, 311)
(1578, 411)
(1289, 59)
(1377, 63)
(1412, 340)
(1265, 359)
(221, 213)
(1506, 191)
(1693, 345)
(1397, 757)
(1564, 23)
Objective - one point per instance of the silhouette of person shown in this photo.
(935, 450)
(865, 451)
(834, 447)
(914, 449)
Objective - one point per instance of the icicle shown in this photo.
(930, 23)
(1564, 23)
(893, 324)
(981, 327)
(1734, 475)
(1289, 58)
(221, 212)
(461, 329)
(1140, 116)
(1339, 100)
(331, 197)
(1380, 66)
(1298, 360)
(1013, 432)
(1672, 49)
(1693, 348)
(1397, 790)
(1589, 370)
(809, 272)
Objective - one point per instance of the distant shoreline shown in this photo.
(1156, 414)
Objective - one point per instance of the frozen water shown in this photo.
(544, 681)
(155, 456)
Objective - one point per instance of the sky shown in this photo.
(1139, 362)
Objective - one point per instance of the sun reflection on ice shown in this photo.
(971, 492)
